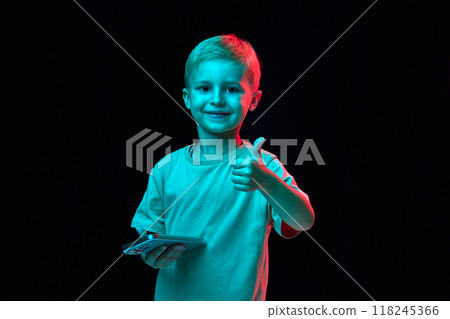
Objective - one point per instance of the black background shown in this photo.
(375, 105)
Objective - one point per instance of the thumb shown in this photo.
(257, 145)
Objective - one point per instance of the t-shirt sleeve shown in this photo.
(149, 215)
(280, 226)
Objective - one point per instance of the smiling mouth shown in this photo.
(217, 115)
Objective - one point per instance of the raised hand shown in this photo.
(251, 168)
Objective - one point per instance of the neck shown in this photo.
(215, 148)
(212, 143)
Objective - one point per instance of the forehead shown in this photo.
(220, 70)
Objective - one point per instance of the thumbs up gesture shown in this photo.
(250, 172)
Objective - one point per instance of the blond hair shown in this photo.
(229, 47)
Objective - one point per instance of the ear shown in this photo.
(187, 98)
(255, 100)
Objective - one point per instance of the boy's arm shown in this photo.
(291, 205)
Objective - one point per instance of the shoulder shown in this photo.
(274, 164)
(269, 158)
(173, 159)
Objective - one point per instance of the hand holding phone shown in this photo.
(149, 242)
(163, 256)
(161, 250)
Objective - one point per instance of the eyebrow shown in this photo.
(207, 81)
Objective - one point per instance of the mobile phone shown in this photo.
(151, 241)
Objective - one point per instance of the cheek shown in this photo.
(246, 99)
(196, 102)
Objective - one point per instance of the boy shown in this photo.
(231, 193)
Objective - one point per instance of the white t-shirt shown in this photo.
(188, 199)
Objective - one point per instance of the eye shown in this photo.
(203, 89)
(232, 90)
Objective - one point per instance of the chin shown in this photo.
(230, 131)
(217, 130)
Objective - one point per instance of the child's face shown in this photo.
(219, 98)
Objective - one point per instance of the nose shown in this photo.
(217, 98)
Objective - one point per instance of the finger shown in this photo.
(242, 188)
(158, 262)
(240, 171)
(155, 253)
(242, 162)
(149, 258)
(169, 257)
(174, 257)
(258, 145)
(241, 180)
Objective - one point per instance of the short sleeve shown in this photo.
(282, 228)
(149, 215)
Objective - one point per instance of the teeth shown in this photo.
(218, 114)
